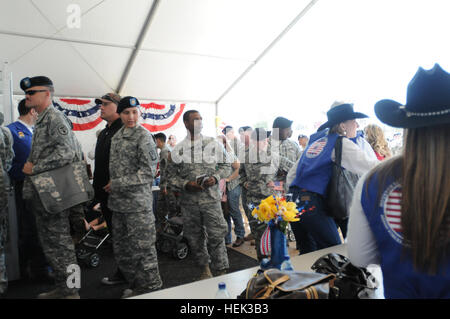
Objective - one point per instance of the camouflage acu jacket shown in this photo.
(260, 169)
(132, 168)
(6, 148)
(54, 145)
(163, 162)
(289, 153)
(191, 159)
(3, 191)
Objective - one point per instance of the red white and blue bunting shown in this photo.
(160, 117)
(85, 115)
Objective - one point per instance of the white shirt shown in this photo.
(365, 146)
(30, 128)
(354, 159)
(292, 173)
(362, 248)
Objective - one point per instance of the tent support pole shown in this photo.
(271, 45)
(138, 45)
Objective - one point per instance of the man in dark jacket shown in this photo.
(108, 108)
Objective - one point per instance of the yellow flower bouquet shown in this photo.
(278, 210)
(277, 213)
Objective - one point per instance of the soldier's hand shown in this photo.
(28, 168)
(107, 188)
(194, 187)
(210, 181)
(164, 191)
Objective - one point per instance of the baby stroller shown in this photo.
(171, 240)
(87, 248)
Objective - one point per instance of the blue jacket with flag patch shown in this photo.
(400, 279)
(22, 147)
(315, 167)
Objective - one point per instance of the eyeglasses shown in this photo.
(32, 92)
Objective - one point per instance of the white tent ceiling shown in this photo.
(177, 50)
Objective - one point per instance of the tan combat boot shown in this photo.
(57, 294)
(220, 272)
(206, 273)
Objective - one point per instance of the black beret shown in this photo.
(27, 82)
(281, 122)
(245, 128)
(226, 129)
(259, 134)
(126, 102)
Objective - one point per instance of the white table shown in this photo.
(237, 281)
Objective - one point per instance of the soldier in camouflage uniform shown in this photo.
(287, 150)
(243, 155)
(54, 145)
(6, 156)
(260, 172)
(197, 165)
(166, 205)
(132, 168)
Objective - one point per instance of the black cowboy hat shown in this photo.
(341, 113)
(427, 101)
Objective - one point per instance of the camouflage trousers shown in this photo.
(3, 239)
(54, 235)
(205, 228)
(76, 218)
(166, 206)
(257, 227)
(134, 249)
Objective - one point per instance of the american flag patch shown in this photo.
(393, 210)
(316, 148)
(264, 246)
(278, 186)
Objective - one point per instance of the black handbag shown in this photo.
(341, 186)
(351, 282)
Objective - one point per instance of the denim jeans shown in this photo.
(235, 214)
(315, 230)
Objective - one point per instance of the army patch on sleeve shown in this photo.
(62, 130)
(153, 155)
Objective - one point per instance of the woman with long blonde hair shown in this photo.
(375, 136)
(400, 215)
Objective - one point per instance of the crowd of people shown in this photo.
(399, 218)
